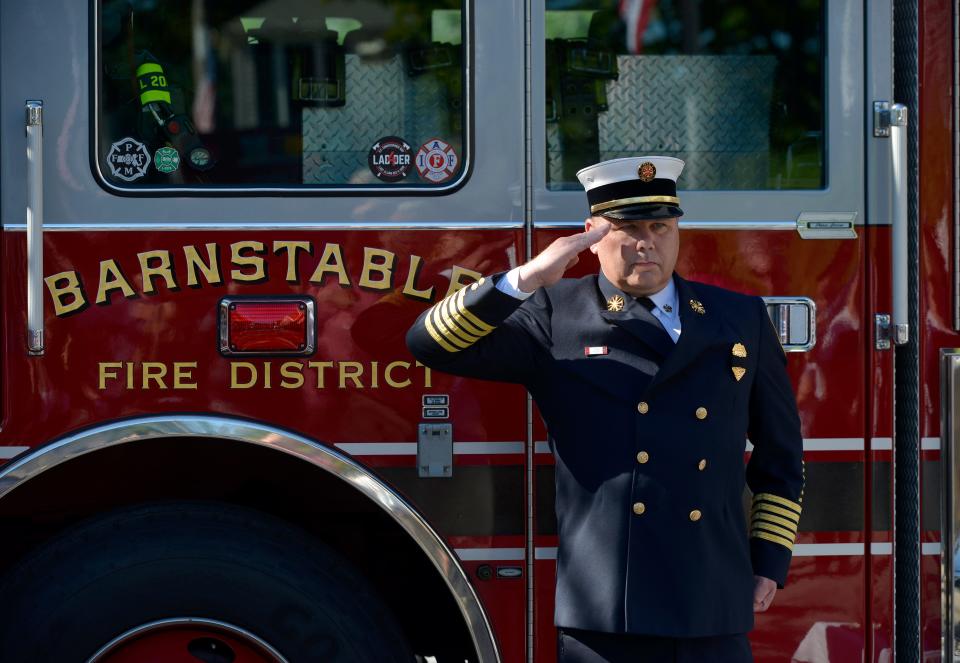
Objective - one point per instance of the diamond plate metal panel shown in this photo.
(555, 158)
(711, 111)
(336, 140)
(381, 101)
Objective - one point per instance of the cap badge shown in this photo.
(739, 350)
(647, 171)
(738, 372)
(697, 306)
(615, 303)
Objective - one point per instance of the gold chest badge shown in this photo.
(739, 351)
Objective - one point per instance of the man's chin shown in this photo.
(642, 287)
(646, 279)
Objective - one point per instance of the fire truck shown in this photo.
(220, 218)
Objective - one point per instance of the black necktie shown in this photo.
(648, 304)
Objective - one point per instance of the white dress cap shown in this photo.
(627, 168)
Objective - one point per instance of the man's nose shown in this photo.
(642, 240)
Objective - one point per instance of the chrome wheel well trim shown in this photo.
(33, 463)
(163, 624)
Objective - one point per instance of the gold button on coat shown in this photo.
(702, 465)
(701, 413)
(695, 515)
(639, 508)
(643, 457)
(642, 407)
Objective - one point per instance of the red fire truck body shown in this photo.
(136, 397)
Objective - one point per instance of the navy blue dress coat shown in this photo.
(649, 440)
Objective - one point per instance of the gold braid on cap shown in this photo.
(622, 202)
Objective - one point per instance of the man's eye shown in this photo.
(657, 227)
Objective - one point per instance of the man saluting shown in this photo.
(649, 385)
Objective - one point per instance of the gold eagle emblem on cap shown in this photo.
(739, 350)
(615, 303)
(647, 171)
(697, 306)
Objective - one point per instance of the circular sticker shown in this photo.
(436, 161)
(166, 159)
(201, 159)
(390, 159)
(128, 159)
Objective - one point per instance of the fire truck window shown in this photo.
(312, 94)
(736, 89)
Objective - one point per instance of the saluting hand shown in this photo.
(562, 254)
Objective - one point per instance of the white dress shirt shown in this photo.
(666, 309)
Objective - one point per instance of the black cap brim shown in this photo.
(643, 212)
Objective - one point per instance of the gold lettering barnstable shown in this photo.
(247, 263)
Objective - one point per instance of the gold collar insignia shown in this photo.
(615, 303)
(697, 306)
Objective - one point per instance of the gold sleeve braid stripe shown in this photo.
(772, 538)
(762, 525)
(446, 327)
(776, 504)
(436, 337)
(454, 314)
(464, 324)
(458, 303)
(769, 508)
(775, 519)
(452, 325)
(439, 325)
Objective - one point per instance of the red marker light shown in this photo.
(173, 127)
(264, 326)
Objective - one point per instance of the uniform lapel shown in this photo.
(634, 318)
(700, 328)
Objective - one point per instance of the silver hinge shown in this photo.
(901, 334)
(885, 332)
(435, 450)
(881, 119)
(886, 115)
(881, 331)
(35, 342)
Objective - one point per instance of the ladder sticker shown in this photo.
(128, 159)
(390, 159)
(437, 161)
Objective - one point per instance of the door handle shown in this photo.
(795, 321)
(890, 121)
(900, 267)
(34, 122)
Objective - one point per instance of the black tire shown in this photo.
(127, 568)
